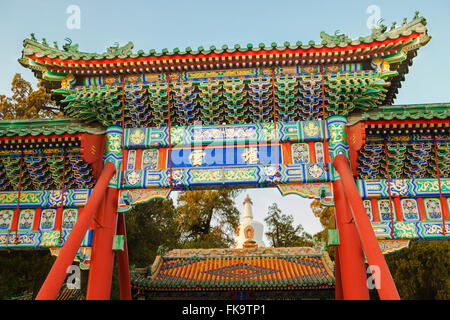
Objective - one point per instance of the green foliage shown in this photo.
(149, 226)
(208, 218)
(326, 216)
(281, 231)
(422, 270)
(23, 271)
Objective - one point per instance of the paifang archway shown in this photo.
(316, 120)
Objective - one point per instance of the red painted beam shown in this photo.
(57, 274)
(387, 289)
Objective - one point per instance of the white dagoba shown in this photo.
(249, 233)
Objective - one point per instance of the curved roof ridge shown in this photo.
(69, 51)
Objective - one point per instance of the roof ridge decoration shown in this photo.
(229, 252)
(53, 64)
(380, 33)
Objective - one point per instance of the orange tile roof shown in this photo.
(231, 269)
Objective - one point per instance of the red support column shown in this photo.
(57, 274)
(339, 294)
(387, 289)
(351, 258)
(102, 260)
(122, 261)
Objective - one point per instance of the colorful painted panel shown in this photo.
(320, 155)
(368, 206)
(131, 160)
(226, 156)
(48, 219)
(6, 217)
(410, 210)
(245, 176)
(300, 153)
(21, 239)
(130, 198)
(386, 210)
(44, 199)
(411, 230)
(433, 208)
(403, 188)
(26, 219)
(69, 219)
(39, 239)
(391, 246)
(144, 138)
(149, 159)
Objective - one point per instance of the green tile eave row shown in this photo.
(251, 283)
(425, 111)
(35, 127)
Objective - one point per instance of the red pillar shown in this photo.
(387, 290)
(102, 260)
(57, 274)
(351, 258)
(339, 294)
(122, 261)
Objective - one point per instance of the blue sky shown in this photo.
(170, 24)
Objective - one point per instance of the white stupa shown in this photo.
(249, 233)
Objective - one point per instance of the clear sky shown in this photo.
(170, 24)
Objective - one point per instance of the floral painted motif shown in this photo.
(433, 208)
(131, 161)
(320, 158)
(48, 218)
(300, 153)
(26, 219)
(316, 171)
(150, 159)
(137, 136)
(368, 206)
(69, 218)
(409, 209)
(384, 208)
(6, 217)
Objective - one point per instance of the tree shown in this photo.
(281, 231)
(208, 219)
(149, 226)
(422, 270)
(326, 217)
(23, 271)
(25, 103)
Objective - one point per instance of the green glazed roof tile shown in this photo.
(36, 127)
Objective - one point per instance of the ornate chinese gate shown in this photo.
(310, 119)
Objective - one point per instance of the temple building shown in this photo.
(247, 271)
(249, 232)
